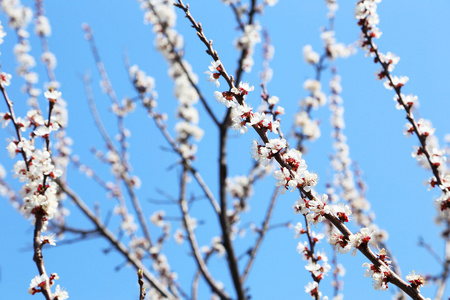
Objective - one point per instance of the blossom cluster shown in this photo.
(39, 192)
(2, 33)
(332, 49)
(239, 187)
(344, 244)
(332, 8)
(380, 274)
(128, 224)
(264, 153)
(317, 261)
(246, 43)
(38, 284)
(160, 262)
(415, 280)
(341, 162)
(214, 72)
(310, 129)
(268, 54)
(19, 17)
(250, 36)
(367, 16)
(297, 175)
(316, 209)
(242, 114)
(143, 84)
(169, 42)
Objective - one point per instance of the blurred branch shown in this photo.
(123, 175)
(187, 162)
(116, 243)
(193, 241)
(262, 233)
(179, 59)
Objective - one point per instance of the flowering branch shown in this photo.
(117, 244)
(245, 61)
(123, 175)
(13, 119)
(311, 206)
(210, 51)
(38, 257)
(366, 19)
(41, 195)
(163, 26)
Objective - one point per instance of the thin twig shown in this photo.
(193, 241)
(124, 175)
(116, 243)
(140, 274)
(443, 278)
(187, 162)
(262, 233)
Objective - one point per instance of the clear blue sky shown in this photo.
(411, 29)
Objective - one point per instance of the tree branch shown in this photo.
(119, 246)
(193, 241)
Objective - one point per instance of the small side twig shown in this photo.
(142, 293)
(193, 241)
(262, 234)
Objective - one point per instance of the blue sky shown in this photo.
(411, 29)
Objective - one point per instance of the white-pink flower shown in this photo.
(179, 236)
(4, 119)
(37, 283)
(298, 229)
(60, 294)
(214, 72)
(158, 218)
(313, 289)
(425, 128)
(244, 88)
(339, 242)
(415, 280)
(52, 94)
(5, 78)
(48, 239)
(309, 55)
(397, 82)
